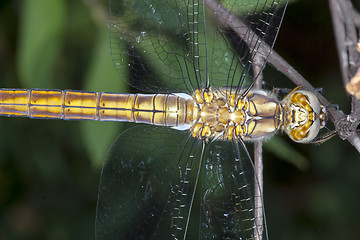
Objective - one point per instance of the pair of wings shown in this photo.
(160, 183)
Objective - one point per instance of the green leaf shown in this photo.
(41, 31)
(283, 150)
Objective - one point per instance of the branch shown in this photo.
(345, 22)
(345, 126)
(258, 193)
(258, 163)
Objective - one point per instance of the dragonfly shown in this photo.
(199, 70)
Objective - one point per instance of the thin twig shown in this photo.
(258, 163)
(340, 38)
(351, 36)
(345, 29)
(259, 197)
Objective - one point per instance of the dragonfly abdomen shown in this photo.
(157, 109)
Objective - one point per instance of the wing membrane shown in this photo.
(178, 46)
(246, 27)
(228, 186)
(149, 180)
(147, 185)
(161, 42)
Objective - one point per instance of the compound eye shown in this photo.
(312, 132)
(313, 100)
(305, 133)
(308, 130)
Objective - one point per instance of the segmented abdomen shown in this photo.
(157, 109)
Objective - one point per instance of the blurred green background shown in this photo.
(50, 170)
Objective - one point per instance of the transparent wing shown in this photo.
(245, 31)
(147, 184)
(228, 186)
(179, 46)
(159, 45)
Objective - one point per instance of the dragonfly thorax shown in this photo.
(218, 115)
(227, 116)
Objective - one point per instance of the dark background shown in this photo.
(50, 170)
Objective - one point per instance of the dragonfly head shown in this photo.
(305, 116)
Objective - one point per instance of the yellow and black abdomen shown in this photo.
(157, 109)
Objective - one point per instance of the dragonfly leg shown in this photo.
(324, 137)
(281, 91)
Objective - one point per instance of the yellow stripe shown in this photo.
(14, 102)
(45, 103)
